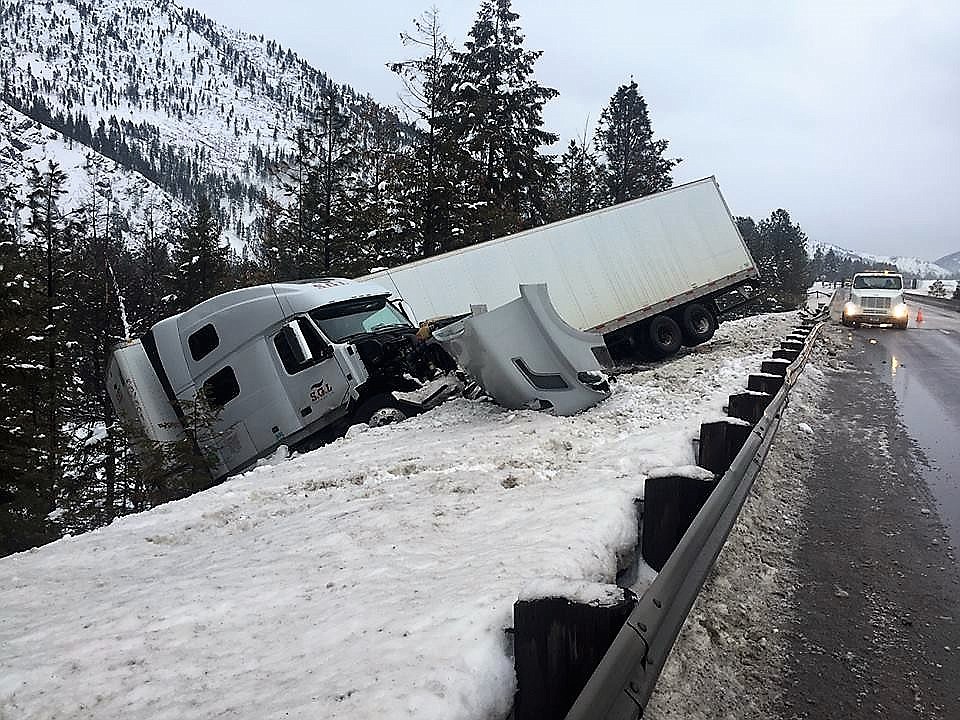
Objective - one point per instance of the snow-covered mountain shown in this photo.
(912, 266)
(91, 177)
(165, 91)
(950, 262)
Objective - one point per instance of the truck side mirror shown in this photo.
(297, 343)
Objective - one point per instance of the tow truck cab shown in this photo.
(876, 298)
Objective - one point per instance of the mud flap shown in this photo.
(525, 356)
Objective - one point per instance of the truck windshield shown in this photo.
(878, 282)
(356, 317)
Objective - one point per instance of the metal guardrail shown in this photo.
(946, 303)
(624, 680)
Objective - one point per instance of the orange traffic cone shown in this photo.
(919, 314)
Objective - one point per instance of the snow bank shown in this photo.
(373, 577)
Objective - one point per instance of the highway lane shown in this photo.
(877, 590)
(922, 368)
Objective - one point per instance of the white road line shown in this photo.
(945, 332)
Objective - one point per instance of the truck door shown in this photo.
(315, 383)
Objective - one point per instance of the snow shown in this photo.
(374, 577)
(912, 266)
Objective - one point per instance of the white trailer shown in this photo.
(649, 274)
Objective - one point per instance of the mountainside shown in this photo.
(190, 105)
(907, 265)
(950, 263)
(91, 177)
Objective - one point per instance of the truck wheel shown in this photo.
(698, 324)
(386, 416)
(379, 410)
(664, 336)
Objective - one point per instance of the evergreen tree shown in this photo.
(199, 260)
(788, 243)
(635, 162)
(96, 482)
(779, 249)
(53, 235)
(23, 506)
(151, 291)
(382, 222)
(937, 289)
(430, 175)
(579, 186)
(330, 184)
(831, 266)
(500, 120)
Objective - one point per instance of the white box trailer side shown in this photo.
(605, 270)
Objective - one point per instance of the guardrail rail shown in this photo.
(623, 682)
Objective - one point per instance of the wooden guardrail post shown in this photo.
(765, 383)
(558, 643)
(748, 405)
(670, 504)
(720, 441)
(777, 366)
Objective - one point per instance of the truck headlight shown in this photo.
(900, 311)
(851, 308)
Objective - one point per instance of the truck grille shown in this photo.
(875, 303)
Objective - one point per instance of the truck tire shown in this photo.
(697, 323)
(380, 409)
(663, 336)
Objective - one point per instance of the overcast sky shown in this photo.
(847, 114)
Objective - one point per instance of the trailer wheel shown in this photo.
(664, 336)
(698, 324)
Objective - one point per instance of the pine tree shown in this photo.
(430, 177)
(635, 162)
(95, 485)
(199, 260)
(937, 289)
(150, 293)
(382, 220)
(23, 510)
(579, 186)
(787, 242)
(500, 120)
(53, 235)
(778, 248)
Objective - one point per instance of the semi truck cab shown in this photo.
(876, 298)
(269, 365)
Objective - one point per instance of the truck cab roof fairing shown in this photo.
(296, 298)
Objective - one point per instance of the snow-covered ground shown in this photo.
(373, 577)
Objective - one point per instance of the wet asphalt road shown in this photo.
(922, 366)
(877, 595)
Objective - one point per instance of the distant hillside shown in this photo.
(950, 262)
(912, 266)
(162, 90)
(91, 177)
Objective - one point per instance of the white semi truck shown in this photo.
(649, 274)
(287, 363)
(251, 369)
